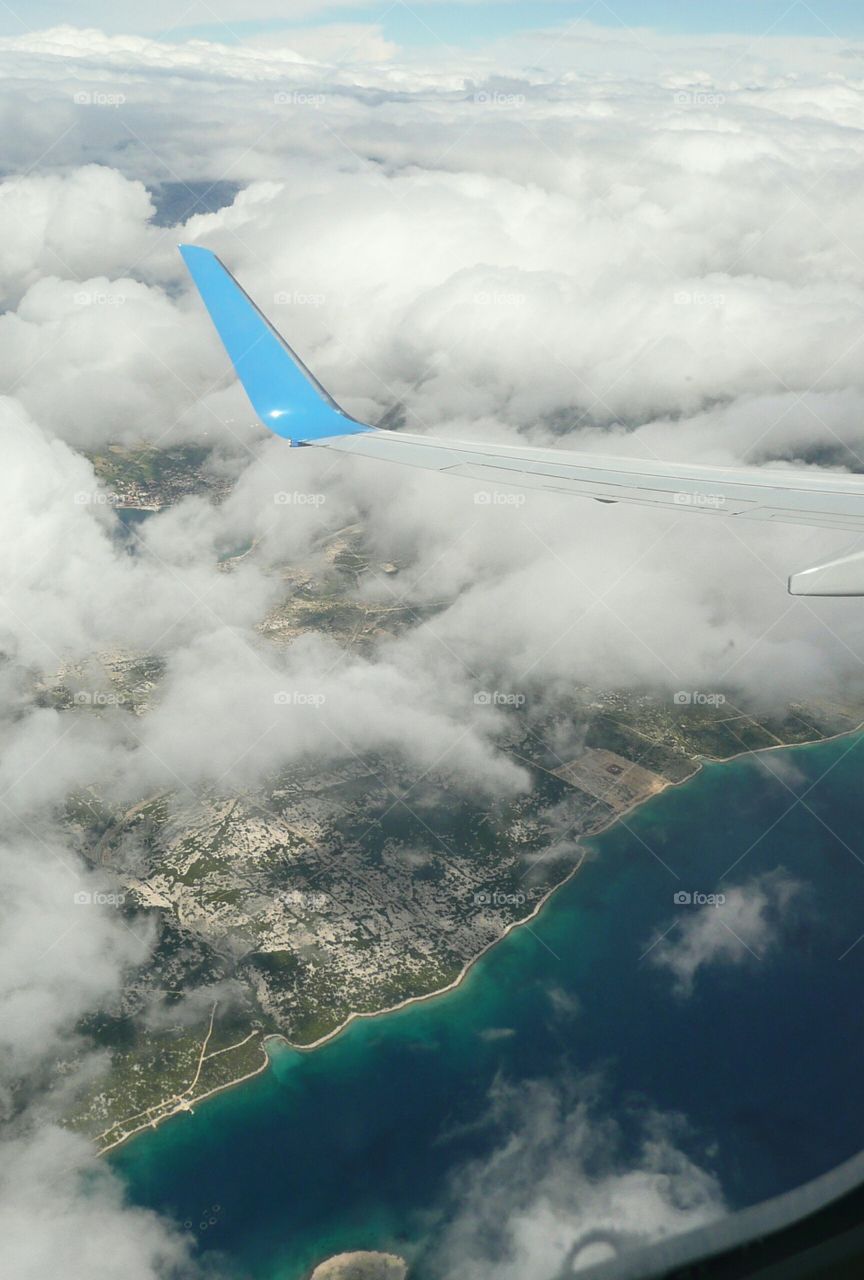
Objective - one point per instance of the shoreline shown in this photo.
(699, 765)
(355, 1016)
(189, 1107)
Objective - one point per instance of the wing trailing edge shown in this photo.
(291, 402)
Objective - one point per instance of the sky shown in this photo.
(647, 242)
(454, 23)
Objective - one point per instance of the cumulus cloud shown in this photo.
(568, 1186)
(742, 927)
(90, 222)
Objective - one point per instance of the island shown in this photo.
(361, 1266)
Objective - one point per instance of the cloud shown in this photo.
(62, 952)
(567, 1185)
(73, 590)
(57, 1205)
(228, 712)
(90, 222)
(741, 930)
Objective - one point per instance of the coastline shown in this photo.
(190, 1106)
(699, 764)
(439, 991)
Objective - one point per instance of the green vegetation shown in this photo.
(148, 476)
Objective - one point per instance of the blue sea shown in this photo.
(355, 1145)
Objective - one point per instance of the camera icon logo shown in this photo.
(683, 898)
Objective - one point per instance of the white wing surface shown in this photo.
(293, 404)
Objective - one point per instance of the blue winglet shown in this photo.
(284, 394)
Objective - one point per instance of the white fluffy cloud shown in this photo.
(90, 222)
(61, 954)
(58, 1210)
(741, 929)
(71, 589)
(564, 1189)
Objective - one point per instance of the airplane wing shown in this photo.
(292, 403)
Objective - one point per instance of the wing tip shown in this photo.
(192, 253)
(287, 397)
(841, 577)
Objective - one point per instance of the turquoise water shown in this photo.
(355, 1145)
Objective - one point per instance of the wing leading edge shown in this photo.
(293, 404)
